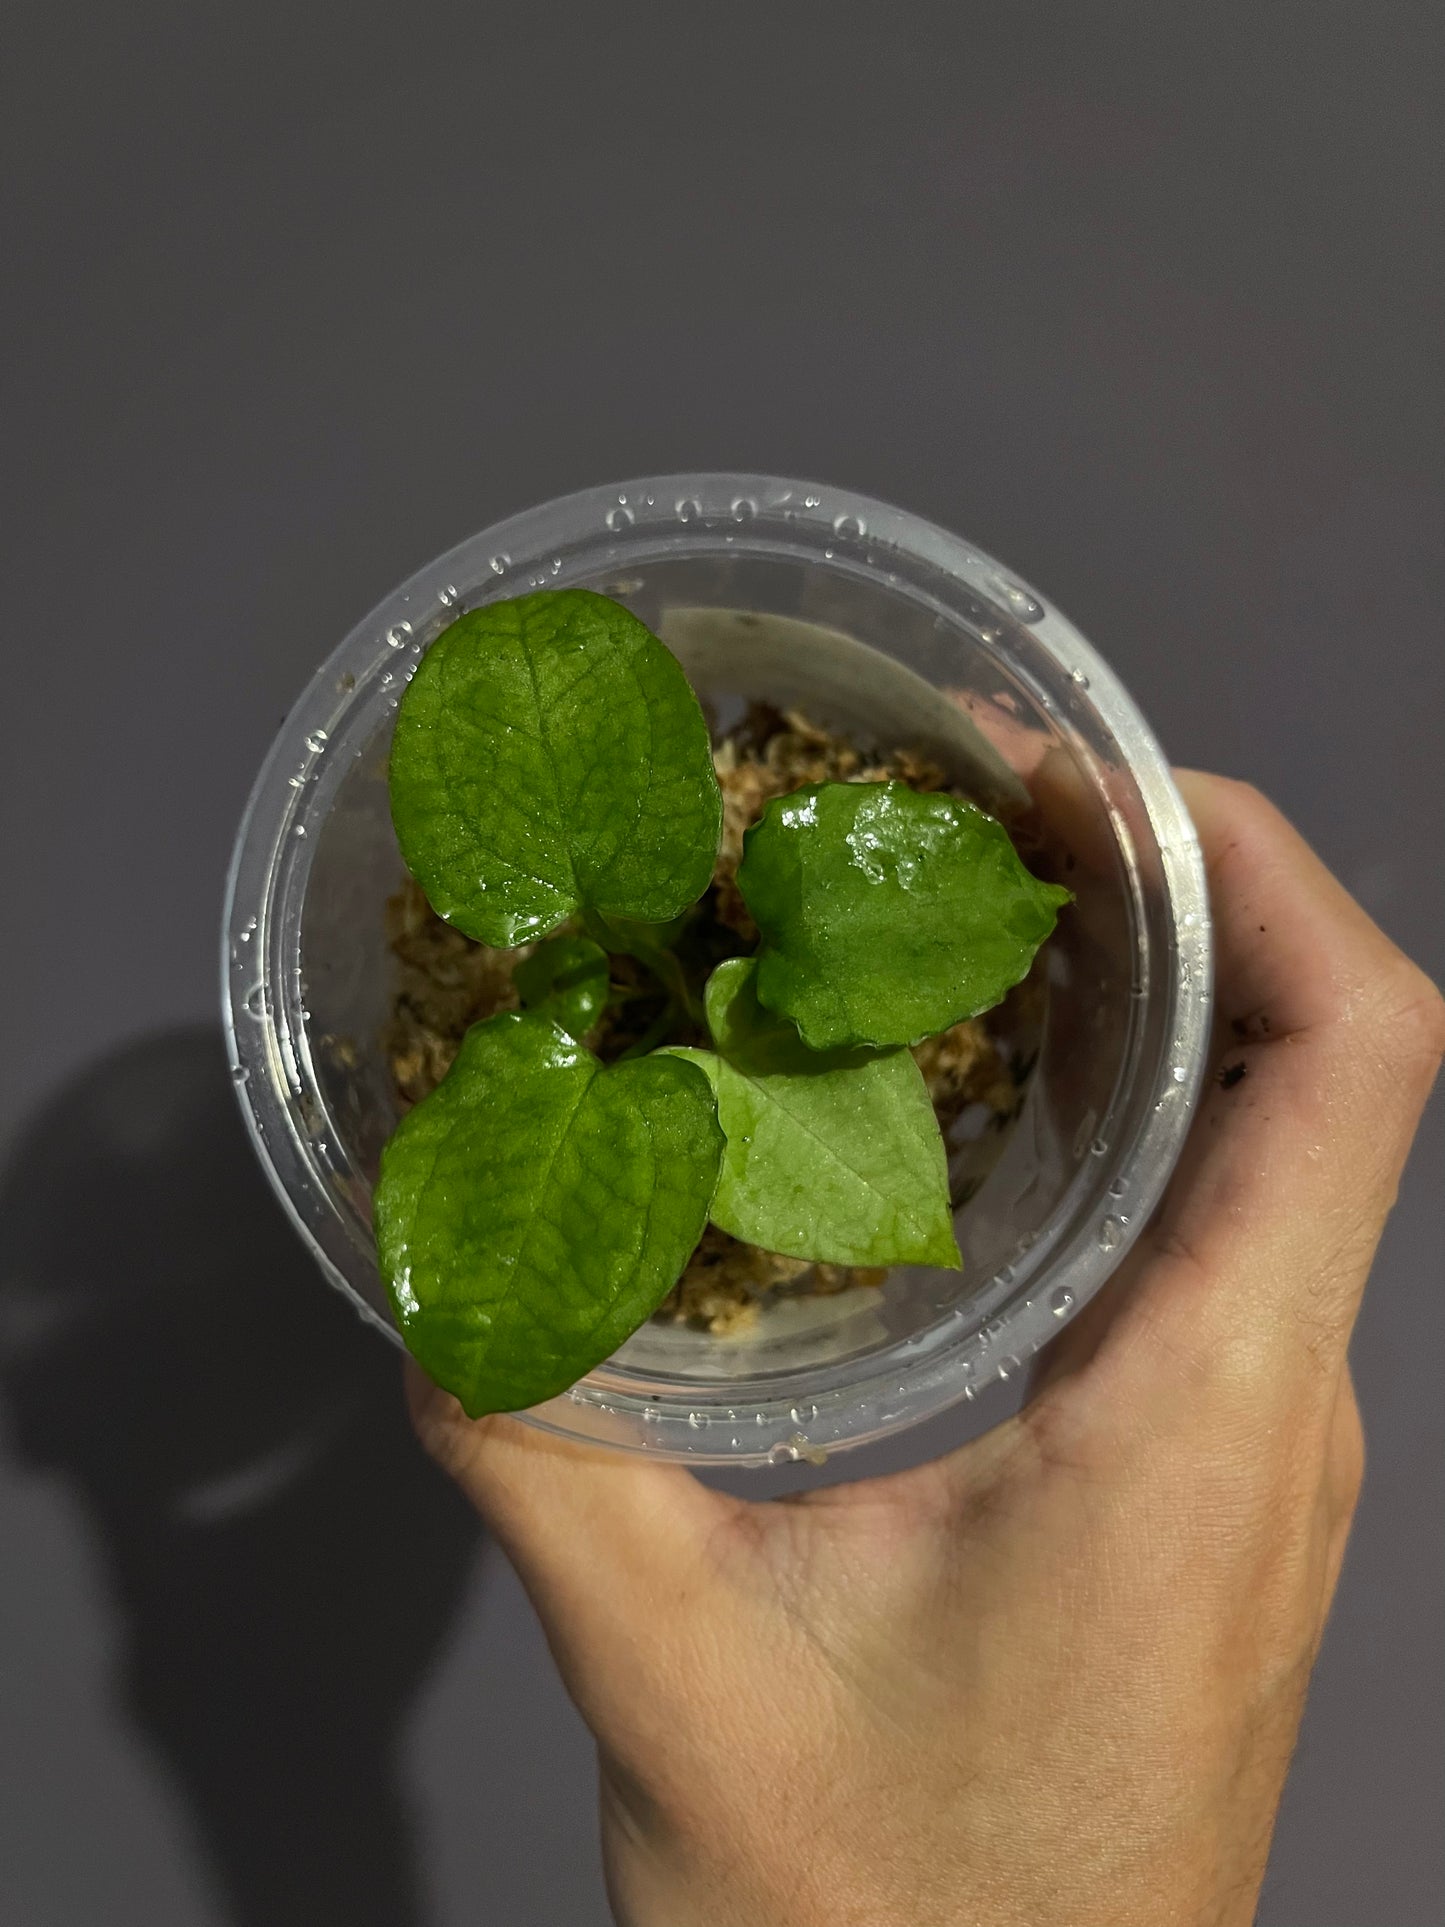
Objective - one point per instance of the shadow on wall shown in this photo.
(285, 1561)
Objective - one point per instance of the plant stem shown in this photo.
(656, 957)
(654, 1034)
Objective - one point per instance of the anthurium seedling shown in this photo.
(887, 915)
(550, 757)
(565, 979)
(552, 786)
(536, 1208)
(831, 1155)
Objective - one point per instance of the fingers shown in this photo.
(593, 1533)
(1256, 1262)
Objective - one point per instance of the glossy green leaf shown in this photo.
(886, 915)
(536, 1208)
(831, 1155)
(565, 979)
(549, 756)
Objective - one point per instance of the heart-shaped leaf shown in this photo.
(831, 1155)
(565, 979)
(549, 756)
(886, 915)
(536, 1208)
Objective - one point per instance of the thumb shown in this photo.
(599, 1538)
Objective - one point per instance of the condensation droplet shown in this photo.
(783, 1455)
(849, 528)
(1179, 1073)
(1005, 1274)
(399, 635)
(1109, 1232)
(298, 781)
(1078, 676)
(1021, 602)
(500, 564)
(1008, 1365)
(744, 508)
(450, 597)
(255, 1002)
(696, 1421)
(248, 929)
(299, 830)
(620, 518)
(812, 501)
(1118, 1187)
(239, 1073)
(687, 508)
(1061, 1301)
(1098, 1148)
(317, 741)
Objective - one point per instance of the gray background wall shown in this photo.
(1145, 300)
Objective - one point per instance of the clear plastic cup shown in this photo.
(873, 621)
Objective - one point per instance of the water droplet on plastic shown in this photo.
(1008, 1365)
(1118, 1187)
(298, 781)
(1078, 676)
(450, 597)
(239, 1073)
(783, 1455)
(317, 741)
(1061, 1301)
(399, 635)
(1005, 1274)
(620, 518)
(248, 929)
(849, 528)
(1021, 602)
(1098, 1148)
(299, 830)
(1109, 1232)
(687, 508)
(255, 1002)
(1138, 990)
(744, 508)
(1179, 1073)
(500, 564)
(812, 501)
(696, 1421)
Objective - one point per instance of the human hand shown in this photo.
(1057, 1675)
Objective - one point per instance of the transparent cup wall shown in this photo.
(880, 642)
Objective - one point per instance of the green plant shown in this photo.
(551, 772)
